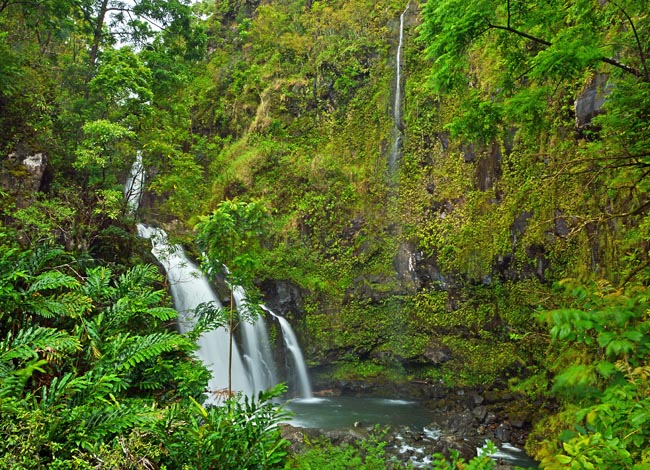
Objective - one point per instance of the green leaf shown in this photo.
(51, 280)
(619, 347)
(606, 369)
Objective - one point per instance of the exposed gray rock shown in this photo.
(35, 165)
(590, 102)
(22, 175)
(561, 225)
(283, 297)
(489, 167)
(503, 432)
(437, 353)
(480, 412)
(405, 264)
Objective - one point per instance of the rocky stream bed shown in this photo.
(460, 419)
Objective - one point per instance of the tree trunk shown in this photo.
(97, 32)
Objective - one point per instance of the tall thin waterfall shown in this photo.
(253, 370)
(397, 105)
(291, 342)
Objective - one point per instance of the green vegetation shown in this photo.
(90, 374)
(366, 454)
(523, 171)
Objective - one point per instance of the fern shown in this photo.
(50, 280)
(162, 313)
(112, 419)
(41, 256)
(29, 342)
(58, 389)
(13, 385)
(143, 348)
(27, 352)
(69, 304)
(97, 285)
(137, 277)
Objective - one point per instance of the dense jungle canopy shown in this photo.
(508, 247)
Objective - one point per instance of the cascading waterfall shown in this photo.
(397, 105)
(190, 288)
(301, 378)
(257, 347)
(254, 370)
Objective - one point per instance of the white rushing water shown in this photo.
(255, 369)
(297, 366)
(257, 347)
(134, 184)
(397, 105)
(190, 288)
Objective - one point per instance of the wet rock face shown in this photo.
(405, 264)
(283, 298)
(590, 102)
(35, 165)
(437, 353)
(489, 168)
(23, 171)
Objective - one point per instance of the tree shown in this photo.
(101, 146)
(536, 39)
(231, 238)
(601, 350)
(135, 21)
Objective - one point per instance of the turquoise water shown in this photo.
(342, 412)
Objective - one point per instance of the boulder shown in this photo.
(437, 353)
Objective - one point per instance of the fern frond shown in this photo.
(13, 385)
(139, 276)
(50, 280)
(143, 348)
(56, 390)
(162, 313)
(42, 256)
(68, 304)
(94, 386)
(97, 285)
(27, 343)
(113, 419)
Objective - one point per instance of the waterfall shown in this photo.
(257, 348)
(397, 105)
(190, 288)
(254, 370)
(134, 184)
(301, 378)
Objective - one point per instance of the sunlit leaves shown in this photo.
(124, 80)
(232, 236)
(611, 333)
(102, 139)
(450, 28)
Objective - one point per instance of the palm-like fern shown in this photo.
(27, 352)
(97, 363)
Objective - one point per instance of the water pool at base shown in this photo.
(343, 412)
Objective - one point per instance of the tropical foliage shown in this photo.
(517, 230)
